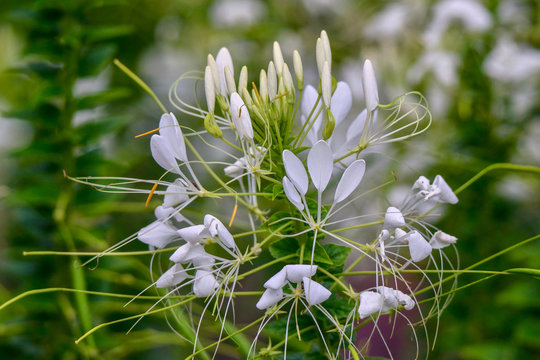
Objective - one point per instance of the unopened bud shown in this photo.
(319, 55)
(326, 84)
(209, 89)
(211, 126)
(272, 81)
(215, 73)
(248, 100)
(278, 58)
(263, 86)
(298, 70)
(243, 79)
(326, 48)
(222, 103)
(229, 80)
(329, 125)
(287, 79)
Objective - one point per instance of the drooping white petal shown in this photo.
(320, 164)
(158, 234)
(315, 293)
(223, 59)
(203, 262)
(295, 273)
(418, 246)
(441, 240)
(216, 227)
(401, 235)
(175, 194)
(421, 183)
(193, 234)
(295, 171)
(205, 283)
(369, 82)
(341, 101)
(405, 300)
(187, 252)
(236, 169)
(390, 300)
(172, 277)
(351, 178)
(269, 298)
(277, 281)
(171, 131)
(393, 218)
(292, 194)
(163, 155)
(240, 117)
(356, 128)
(370, 303)
(446, 195)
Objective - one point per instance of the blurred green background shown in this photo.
(64, 106)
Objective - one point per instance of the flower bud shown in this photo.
(215, 73)
(263, 86)
(272, 81)
(298, 70)
(278, 58)
(326, 47)
(223, 60)
(211, 126)
(369, 82)
(222, 103)
(326, 84)
(243, 80)
(229, 79)
(209, 89)
(329, 125)
(287, 79)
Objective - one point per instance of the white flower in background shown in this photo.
(471, 14)
(510, 62)
(234, 13)
(390, 22)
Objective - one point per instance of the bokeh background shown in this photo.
(64, 106)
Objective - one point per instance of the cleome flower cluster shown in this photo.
(287, 158)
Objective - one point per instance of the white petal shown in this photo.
(421, 183)
(393, 218)
(369, 82)
(341, 101)
(370, 303)
(320, 164)
(390, 300)
(175, 194)
(405, 300)
(309, 98)
(446, 194)
(277, 281)
(240, 117)
(351, 178)
(356, 128)
(157, 234)
(163, 155)
(295, 273)
(401, 235)
(216, 228)
(205, 283)
(292, 194)
(187, 252)
(203, 262)
(315, 293)
(441, 240)
(418, 246)
(235, 169)
(171, 131)
(269, 298)
(295, 171)
(193, 234)
(223, 59)
(172, 277)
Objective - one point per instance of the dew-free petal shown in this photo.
(320, 163)
(351, 178)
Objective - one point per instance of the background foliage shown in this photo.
(65, 107)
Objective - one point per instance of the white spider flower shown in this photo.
(393, 218)
(441, 240)
(419, 248)
(370, 303)
(369, 82)
(175, 194)
(382, 300)
(216, 228)
(168, 146)
(269, 298)
(314, 292)
(438, 191)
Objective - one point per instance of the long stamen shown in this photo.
(151, 194)
(146, 133)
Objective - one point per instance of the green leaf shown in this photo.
(275, 224)
(102, 98)
(284, 247)
(337, 253)
(95, 60)
(108, 32)
(319, 256)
